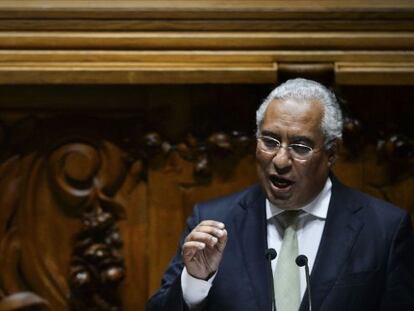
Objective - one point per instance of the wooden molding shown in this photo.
(15, 56)
(149, 42)
(207, 40)
(207, 15)
(374, 73)
(135, 73)
(230, 9)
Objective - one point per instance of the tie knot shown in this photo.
(290, 218)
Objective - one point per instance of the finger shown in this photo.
(218, 233)
(189, 249)
(222, 241)
(212, 223)
(203, 237)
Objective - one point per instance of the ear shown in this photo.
(333, 152)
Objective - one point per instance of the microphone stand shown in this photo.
(271, 254)
(301, 261)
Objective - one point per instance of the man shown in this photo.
(359, 249)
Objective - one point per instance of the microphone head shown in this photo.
(301, 260)
(270, 253)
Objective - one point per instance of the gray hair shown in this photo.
(304, 89)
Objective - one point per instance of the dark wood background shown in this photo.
(105, 144)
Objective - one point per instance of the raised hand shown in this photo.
(203, 248)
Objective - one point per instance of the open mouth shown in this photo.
(280, 182)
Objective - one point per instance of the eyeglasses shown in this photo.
(271, 146)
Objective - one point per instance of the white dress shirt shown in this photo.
(309, 229)
(309, 233)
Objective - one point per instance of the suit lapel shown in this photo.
(250, 224)
(341, 230)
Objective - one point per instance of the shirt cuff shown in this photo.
(194, 290)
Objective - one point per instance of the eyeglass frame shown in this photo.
(288, 148)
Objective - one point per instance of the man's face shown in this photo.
(290, 183)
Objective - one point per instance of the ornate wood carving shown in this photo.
(83, 183)
(69, 177)
(90, 215)
(218, 147)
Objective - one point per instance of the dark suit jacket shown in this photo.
(364, 262)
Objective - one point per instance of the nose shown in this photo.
(282, 161)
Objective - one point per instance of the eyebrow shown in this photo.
(268, 133)
(294, 139)
(304, 139)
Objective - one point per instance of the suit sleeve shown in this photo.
(170, 297)
(399, 289)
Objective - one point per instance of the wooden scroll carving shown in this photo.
(28, 261)
(83, 178)
(59, 239)
(23, 301)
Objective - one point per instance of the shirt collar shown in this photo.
(318, 207)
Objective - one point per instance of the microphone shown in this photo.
(271, 254)
(301, 261)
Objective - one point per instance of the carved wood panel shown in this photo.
(92, 203)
